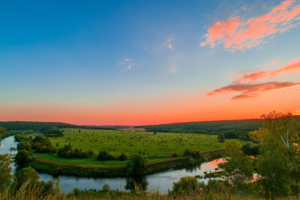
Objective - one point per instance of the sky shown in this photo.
(148, 62)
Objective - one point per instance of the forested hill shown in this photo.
(40, 126)
(209, 127)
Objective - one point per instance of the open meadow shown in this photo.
(155, 146)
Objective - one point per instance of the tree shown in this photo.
(24, 175)
(21, 157)
(278, 162)
(221, 138)
(2, 130)
(5, 170)
(236, 159)
(137, 164)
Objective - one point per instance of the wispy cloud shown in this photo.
(252, 90)
(127, 62)
(293, 66)
(168, 43)
(274, 62)
(129, 66)
(235, 34)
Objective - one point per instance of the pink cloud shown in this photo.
(252, 90)
(202, 44)
(293, 66)
(274, 62)
(233, 33)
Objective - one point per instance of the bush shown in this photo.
(194, 154)
(24, 146)
(221, 138)
(69, 152)
(53, 133)
(21, 157)
(106, 188)
(76, 191)
(137, 164)
(174, 155)
(122, 157)
(185, 185)
(104, 155)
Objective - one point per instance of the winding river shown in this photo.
(160, 180)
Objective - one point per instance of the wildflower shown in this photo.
(236, 171)
(232, 173)
(216, 174)
(231, 178)
(222, 177)
(264, 192)
(234, 186)
(242, 177)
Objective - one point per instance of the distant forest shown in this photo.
(209, 127)
(42, 126)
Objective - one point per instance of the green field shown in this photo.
(156, 147)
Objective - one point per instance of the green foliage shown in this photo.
(185, 185)
(174, 155)
(278, 159)
(122, 157)
(250, 150)
(21, 157)
(137, 164)
(232, 134)
(161, 144)
(22, 138)
(221, 138)
(236, 159)
(104, 155)
(43, 145)
(213, 127)
(24, 146)
(24, 175)
(192, 153)
(76, 191)
(106, 188)
(69, 152)
(53, 133)
(5, 170)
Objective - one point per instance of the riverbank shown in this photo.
(80, 170)
(55, 168)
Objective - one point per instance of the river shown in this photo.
(160, 180)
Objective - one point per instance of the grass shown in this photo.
(156, 147)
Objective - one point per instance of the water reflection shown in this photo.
(140, 181)
(161, 180)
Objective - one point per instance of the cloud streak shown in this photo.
(252, 90)
(293, 66)
(235, 34)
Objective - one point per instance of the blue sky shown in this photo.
(133, 57)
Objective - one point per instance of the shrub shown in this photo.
(221, 138)
(24, 145)
(137, 165)
(194, 154)
(104, 155)
(185, 185)
(122, 157)
(76, 191)
(174, 155)
(106, 188)
(53, 133)
(21, 157)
